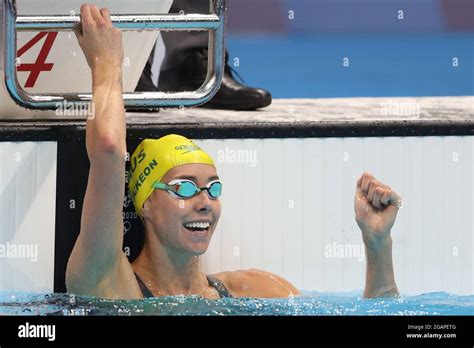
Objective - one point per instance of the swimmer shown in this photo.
(175, 189)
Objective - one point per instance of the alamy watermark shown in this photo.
(37, 331)
(344, 251)
(75, 109)
(19, 251)
(228, 155)
(396, 108)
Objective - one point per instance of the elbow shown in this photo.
(108, 145)
(74, 280)
(72, 285)
(77, 283)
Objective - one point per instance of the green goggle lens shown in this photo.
(188, 189)
(215, 189)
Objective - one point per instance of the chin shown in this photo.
(198, 250)
(196, 244)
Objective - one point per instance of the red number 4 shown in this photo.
(40, 65)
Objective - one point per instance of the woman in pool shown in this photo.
(175, 189)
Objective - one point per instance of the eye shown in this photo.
(215, 189)
(186, 189)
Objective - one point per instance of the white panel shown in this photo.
(432, 212)
(411, 235)
(231, 175)
(272, 206)
(252, 200)
(466, 203)
(292, 186)
(313, 218)
(333, 272)
(373, 156)
(27, 213)
(452, 229)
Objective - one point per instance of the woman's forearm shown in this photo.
(106, 129)
(380, 279)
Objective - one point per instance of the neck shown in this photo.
(169, 271)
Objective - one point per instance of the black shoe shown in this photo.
(191, 73)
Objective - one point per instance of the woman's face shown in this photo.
(171, 216)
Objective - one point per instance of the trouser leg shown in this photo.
(176, 42)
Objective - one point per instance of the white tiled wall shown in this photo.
(283, 214)
(27, 215)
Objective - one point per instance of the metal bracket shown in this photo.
(214, 23)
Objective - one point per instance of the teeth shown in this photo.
(202, 225)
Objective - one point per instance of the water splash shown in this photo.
(310, 303)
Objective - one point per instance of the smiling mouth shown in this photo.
(198, 229)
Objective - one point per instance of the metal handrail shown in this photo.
(214, 23)
(124, 22)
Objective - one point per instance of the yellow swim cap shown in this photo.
(153, 158)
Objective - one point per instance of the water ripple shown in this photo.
(310, 303)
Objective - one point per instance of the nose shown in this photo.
(203, 202)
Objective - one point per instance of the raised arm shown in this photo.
(94, 267)
(376, 206)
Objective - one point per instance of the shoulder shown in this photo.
(256, 283)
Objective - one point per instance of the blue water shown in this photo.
(311, 303)
(312, 66)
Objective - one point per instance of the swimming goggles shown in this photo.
(184, 188)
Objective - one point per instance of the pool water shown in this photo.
(310, 303)
(311, 66)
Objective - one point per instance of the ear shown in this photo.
(145, 209)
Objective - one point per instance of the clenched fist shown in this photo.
(376, 206)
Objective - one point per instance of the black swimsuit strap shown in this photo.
(145, 291)
(214, 282)
(219, 286)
